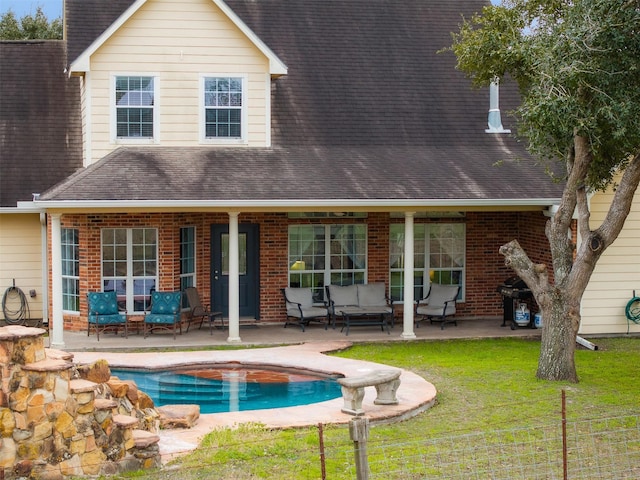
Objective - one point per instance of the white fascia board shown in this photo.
(293, 204)
(83, 62)
(276, 66)
(23, 207)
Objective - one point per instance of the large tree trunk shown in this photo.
(559, 330)
(559, 301)
(560, 315)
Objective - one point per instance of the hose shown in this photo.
(632, 311)
(12, 296)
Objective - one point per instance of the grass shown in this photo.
(483, 386)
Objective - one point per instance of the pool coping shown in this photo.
(415, 394)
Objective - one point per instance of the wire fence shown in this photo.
(592, 444)
(602, 448)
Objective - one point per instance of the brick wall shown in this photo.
(485, 269)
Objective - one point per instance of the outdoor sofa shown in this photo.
(361, 304)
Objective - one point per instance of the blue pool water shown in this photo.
(231, 389)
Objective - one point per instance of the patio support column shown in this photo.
(234, 280)
(407, 316)
(57, 334)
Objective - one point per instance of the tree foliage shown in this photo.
(30, 27)
(577, 66)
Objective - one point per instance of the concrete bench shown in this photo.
(385, 381)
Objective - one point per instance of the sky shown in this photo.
(51, 8)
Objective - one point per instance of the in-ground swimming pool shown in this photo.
(219, 390)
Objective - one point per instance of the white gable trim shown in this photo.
(83, 62)
(276, 66)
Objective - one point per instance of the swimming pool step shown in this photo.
(214, 395)
(187, 389)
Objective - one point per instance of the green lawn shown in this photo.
(483, 386)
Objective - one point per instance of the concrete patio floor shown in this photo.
(287, 348)
(254, 333)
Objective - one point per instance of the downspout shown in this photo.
(45, 269)
(57, 332)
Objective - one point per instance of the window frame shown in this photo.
(422, 269)
(243, 138)
(70, 255)
(304, 265)
(188, 260)
(130, 280)
(114, 110)
(188, 257)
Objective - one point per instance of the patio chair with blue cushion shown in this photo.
(165, 313)
(104, 314)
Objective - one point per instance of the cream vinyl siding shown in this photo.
(616, 275)
(21, 257)
(176, 42)
(86, 136)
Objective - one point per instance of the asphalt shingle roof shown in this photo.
(371, 108)
(40, 136)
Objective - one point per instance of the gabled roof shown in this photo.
(40, 134)
(370, 112)
(82, 62)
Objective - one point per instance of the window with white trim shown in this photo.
(187, 259)
(439, 257)
(130, 265)
(70, 269)
(320, 255)
(223, 103)
(134, 107)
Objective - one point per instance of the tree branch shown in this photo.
(621, 204)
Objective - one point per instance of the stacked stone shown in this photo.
(54, 424)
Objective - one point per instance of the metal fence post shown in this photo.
(323, 467)
(359, 433)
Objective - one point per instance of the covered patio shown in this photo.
(285, 347)
(255, 333)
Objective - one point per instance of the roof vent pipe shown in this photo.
(495, 121)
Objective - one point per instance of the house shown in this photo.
(40, 145)
(616, 278)
(244, 146)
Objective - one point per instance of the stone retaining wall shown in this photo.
(58, 420)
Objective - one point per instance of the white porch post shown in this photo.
(57, 335)
(407, 318)
(234, 280)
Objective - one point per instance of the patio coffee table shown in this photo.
(364, 319)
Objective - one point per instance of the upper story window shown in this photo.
(223, 102)
(135, 107)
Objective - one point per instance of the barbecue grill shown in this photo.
(513, 289)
